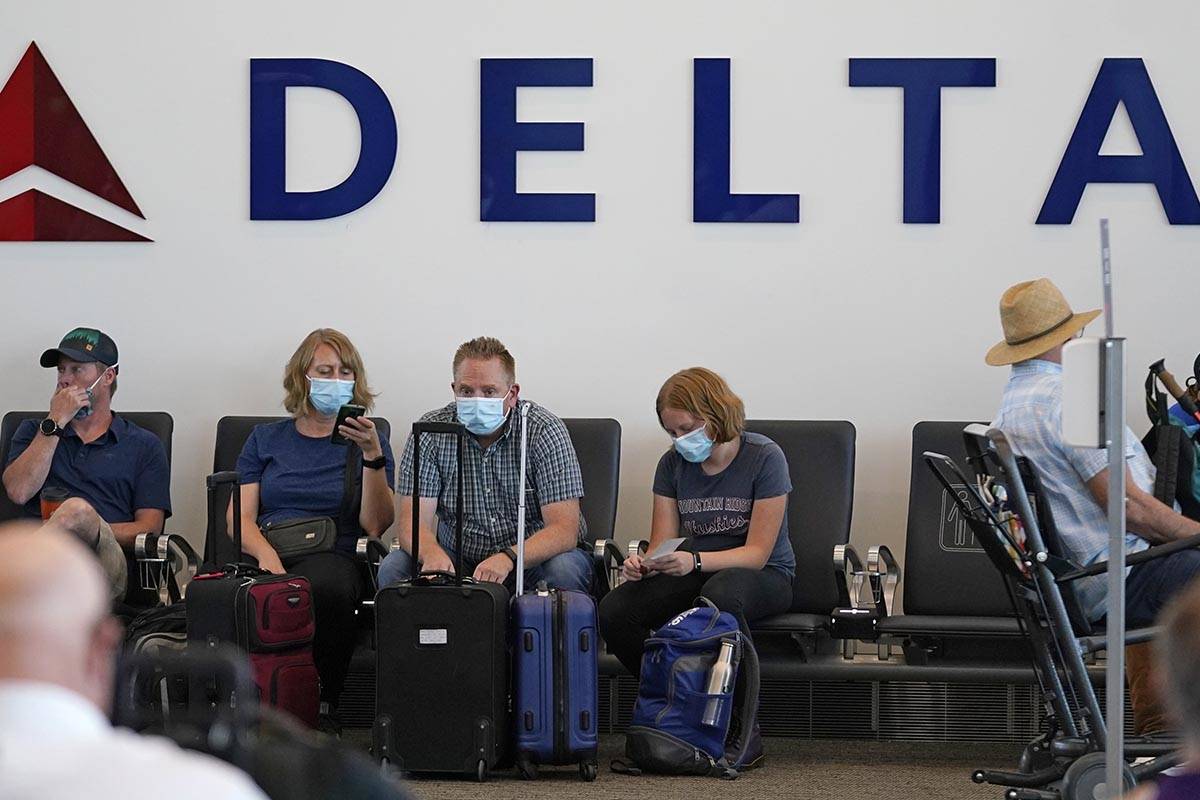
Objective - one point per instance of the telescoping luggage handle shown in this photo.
(521, 504)
(460, 432)
(215, 482)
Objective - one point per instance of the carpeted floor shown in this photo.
(796, 769)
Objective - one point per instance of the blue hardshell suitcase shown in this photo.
(554, 680)
(554, 663)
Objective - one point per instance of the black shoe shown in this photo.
(753, 748)
(755, 757)
(328, 721)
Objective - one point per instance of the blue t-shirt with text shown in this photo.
(714, 510)
(299, 476)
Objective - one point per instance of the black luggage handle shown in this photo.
(214, 482)
(439, 427)
(460, 433)
(439, 578)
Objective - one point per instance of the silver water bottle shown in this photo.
(720, 681)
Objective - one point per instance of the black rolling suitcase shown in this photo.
(442, 660)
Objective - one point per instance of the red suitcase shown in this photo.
(268, 616)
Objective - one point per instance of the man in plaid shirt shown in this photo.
(485, 400)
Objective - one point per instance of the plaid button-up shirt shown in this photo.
(491, 478)
(1031, 418)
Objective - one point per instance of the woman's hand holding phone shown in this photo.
(362, 432)
(353, 427)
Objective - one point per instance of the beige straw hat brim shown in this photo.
(1004, 353)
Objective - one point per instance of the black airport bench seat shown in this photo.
(955, 603)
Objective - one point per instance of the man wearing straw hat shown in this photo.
(1037, 322)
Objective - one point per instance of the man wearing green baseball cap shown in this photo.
(99, 475)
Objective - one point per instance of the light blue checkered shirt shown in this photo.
(1031, 418)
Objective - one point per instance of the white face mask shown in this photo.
(86, 411)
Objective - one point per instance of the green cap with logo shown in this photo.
(83, 344)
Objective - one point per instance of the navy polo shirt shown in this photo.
(122, 471)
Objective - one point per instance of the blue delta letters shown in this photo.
(921, 81)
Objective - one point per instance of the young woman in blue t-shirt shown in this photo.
(291, 470)
(724, 491)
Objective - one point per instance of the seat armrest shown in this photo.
(145, 546)
(166, 564)
(607, 559)
(849, 575)
(607, 552)
(1149, 554)
(883, 572)
(852, 619)
(370, 550)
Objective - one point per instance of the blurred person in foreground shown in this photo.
(58, 646)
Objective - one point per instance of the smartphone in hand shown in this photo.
(344, 413)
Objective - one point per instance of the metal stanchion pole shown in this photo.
(1114, 378)
(1114, 437)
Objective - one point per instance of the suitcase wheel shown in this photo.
(481, 771)
(527, 769)
(587, 771)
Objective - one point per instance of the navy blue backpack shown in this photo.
(668, 735)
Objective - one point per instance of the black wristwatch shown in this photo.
(49, 427)
(375, 463)
(508, 551)
(696, 562)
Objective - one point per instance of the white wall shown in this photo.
(848, 315)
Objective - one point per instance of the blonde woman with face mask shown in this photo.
(292, 470)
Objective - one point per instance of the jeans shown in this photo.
(570, 570)
(1148, 588)
(635, 608)
(1151, 585)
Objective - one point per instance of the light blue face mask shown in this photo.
(328, 395)
(86, 411)
(694, 446)
(481, 415)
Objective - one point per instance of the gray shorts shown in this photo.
(112, 559)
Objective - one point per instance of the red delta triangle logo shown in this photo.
(40, 127)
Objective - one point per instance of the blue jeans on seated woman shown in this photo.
(569, 570)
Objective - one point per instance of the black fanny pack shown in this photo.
(301, 537)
